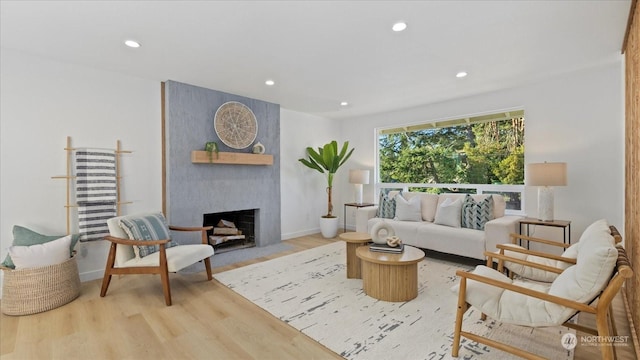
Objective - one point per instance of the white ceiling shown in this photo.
(323, 52)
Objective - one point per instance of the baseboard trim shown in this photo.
(296, 234)
(91, 275)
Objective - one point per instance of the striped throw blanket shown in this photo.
(96, 192)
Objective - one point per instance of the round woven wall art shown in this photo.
(235, 125)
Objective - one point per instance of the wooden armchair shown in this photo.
(598, 274)
(141, 244)
(537, 265)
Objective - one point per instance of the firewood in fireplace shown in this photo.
(226, 224)
(226, 231)
(217, 239)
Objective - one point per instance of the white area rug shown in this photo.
(309, 290)
(236, 256)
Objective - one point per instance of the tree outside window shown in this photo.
(467, 152)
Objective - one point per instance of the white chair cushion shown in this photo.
(508, 306)
(533, 273)
(595, 263)
(124, 253)
(178, 257)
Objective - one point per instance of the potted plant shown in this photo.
(211, 147)
(328, 160)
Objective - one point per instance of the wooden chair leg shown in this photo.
(602, 325)
(207, 265)
(614, 329)
(106, 279)
(462, 308)
(207, 261)
(164, 275)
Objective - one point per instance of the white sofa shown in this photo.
(427, 232)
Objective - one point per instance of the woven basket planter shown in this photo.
(35, 290)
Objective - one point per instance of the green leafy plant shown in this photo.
(327, 160)
(211, 147)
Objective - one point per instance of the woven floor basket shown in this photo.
(35, 290)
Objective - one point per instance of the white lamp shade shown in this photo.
(546, 174)
(359, 176)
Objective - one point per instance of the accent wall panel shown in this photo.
(192, 190)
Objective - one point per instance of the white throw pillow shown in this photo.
(428, 204)
(49, 253)
(449, 213)
(408, 210)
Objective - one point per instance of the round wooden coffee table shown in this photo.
(390, 277)
(354, 240)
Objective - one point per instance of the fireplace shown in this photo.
(195, 189)
(232, 230)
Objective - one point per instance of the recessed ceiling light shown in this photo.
(461, 74)
(344, 103)
(270, 82)
(132, 43)
(399, 26)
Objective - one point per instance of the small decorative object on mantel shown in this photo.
(211, 147)
(258, 148)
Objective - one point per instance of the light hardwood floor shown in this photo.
(206, 321)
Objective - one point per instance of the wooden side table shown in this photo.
(390, 277)
(354, 240)
(566, 225)
(355, 205)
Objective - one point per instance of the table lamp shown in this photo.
(359, 177)
(545, 176)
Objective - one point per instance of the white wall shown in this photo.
(576, 118)
(304, 198)
(43, 102)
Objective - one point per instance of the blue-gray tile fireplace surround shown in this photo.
(193, 190)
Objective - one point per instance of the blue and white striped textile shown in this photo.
(96, 192)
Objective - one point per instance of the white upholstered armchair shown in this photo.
(141, 244)
(599, 272)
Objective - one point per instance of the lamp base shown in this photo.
(545, 203)
(358, 193)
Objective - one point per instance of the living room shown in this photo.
(575, 116)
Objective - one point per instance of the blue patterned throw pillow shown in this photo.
(476, 213)
(147, 227)
(387, 204)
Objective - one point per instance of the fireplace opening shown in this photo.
(232, 230)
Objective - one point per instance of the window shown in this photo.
(481, 154)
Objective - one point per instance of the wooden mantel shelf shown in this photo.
(202, 157)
